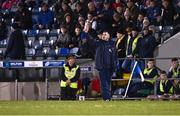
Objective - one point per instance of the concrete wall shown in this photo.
(170, 48)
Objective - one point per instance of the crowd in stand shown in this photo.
(70, 16)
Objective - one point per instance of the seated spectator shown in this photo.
(174, 72)
(165, 87)
(24, 17)
(139, 22)
(92, 20)
(119, 10)
(63, 10)
(168, 12)
(117, 22)
(153, 12)
(76, 41)
(116, 4)
(146, 23)
(106, 15)
(69, 23)
(3, 30)
(133, 9)
(127, 19)
(79, 11)
(92, 8)
(64, 38)
(81, 22)
(45, 17)
(98, 5)
(8, 4)
(72, 4)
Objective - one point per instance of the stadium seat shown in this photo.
(158, 28)
(32, 33)
(43, 32)
(42, 40)
(74, 50)
(167, 29)
(3, 43)
(30, 52)
(1, 53)
(38, 45)
(53, 53)
(63, 52)
(54, 32)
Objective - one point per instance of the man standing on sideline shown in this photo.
(105, 63)
(16, 48)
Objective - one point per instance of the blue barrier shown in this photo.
(39, 64)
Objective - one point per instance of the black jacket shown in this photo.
(147, 46)
(122, 47)
(16, 47)
(105, 55)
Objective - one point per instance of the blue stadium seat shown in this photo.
(74, 50)
(32, 33)
(54, 32)
(30, 52)
(63, 52)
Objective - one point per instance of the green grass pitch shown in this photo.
(89, 107)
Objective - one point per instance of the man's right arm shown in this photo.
(63, 77)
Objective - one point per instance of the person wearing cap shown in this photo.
(69, 78)
(105, 62)
(148, 44)
(16, 47)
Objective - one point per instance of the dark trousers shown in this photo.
(105, 77)
(120, 70)
(68, 93)
(135, 87)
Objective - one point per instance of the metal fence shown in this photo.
(39, 80)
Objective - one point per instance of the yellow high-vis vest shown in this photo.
(162, 89)
(175, 73)
(146, 71)
(134, 44)
(69, 74)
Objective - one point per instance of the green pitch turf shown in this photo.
(89, 107)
